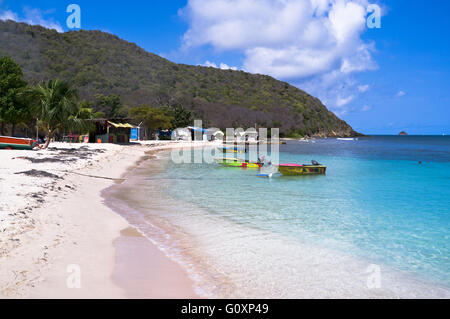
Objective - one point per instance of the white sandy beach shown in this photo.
(53, 226)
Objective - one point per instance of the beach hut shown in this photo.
(248, 136)
(198, 133)
(215, 134)
(137, 134)
(110, 131)
(251, 135)
(181, 134)
(164, 135)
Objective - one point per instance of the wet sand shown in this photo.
(144, 272)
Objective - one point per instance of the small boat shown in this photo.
(297, 169)
(233, 150)
(269, 175)
(235, 162)
(307, 140)
(347, 139)
(16, 143)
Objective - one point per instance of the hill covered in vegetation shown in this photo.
(101, 64)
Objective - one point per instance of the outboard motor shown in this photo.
(315, 163)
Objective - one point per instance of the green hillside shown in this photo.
(100, 63)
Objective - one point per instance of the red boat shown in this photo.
(16, 143)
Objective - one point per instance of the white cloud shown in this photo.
(342, 101)
(332, 88)
(210, 64)
(32, 16)
(36, 17)
(363, 88)
(366, 108)
(8, 15)
(400, 93)
(303, 41)
(222, 66)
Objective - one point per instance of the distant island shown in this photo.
(403, 133)
(98, 64)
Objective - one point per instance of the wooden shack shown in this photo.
(110, 131)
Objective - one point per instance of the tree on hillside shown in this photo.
(181, 116)
(86, 111)
(56, 105)
(20, 113)
(13, 105)
(110, 105)
(153, 118)
(139, 113)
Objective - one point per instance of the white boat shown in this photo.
(347, 139)
(307, 140)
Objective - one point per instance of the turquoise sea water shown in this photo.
(309, 236)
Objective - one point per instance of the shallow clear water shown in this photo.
(310, 236)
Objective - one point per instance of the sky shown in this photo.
(380, 80)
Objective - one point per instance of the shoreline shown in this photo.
(142, 269)
(326, 268)
(174, 268)
(51, 224)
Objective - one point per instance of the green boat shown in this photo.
(235, 162)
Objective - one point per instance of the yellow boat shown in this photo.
(297, 169)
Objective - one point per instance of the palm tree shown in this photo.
(56, 107)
